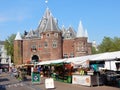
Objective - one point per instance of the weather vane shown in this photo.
(46, 1)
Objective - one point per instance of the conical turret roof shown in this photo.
(18, 36)
(80, 32)
(86, 33)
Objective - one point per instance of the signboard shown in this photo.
(35, 77)
(49, 83)
(82, 80)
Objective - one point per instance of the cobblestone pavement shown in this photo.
(8, 83)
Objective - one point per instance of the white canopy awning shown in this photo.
(107, 56)
(51, 62)
(82, 60)
(44, 63)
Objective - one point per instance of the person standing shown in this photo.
(0, 70)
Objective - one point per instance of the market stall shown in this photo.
(65, 69)
(63, 72)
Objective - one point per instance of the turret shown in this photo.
(18, 49)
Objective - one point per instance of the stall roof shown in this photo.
(107, 56)
(51, 62)
(82, 59)
(44, 63)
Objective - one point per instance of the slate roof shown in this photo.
(48, 23)
(69, 33)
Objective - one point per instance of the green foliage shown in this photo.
(109, 44)
(9, 46)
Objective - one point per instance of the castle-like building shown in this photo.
(49, 42)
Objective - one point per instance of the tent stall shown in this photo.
(107, 61)
(59, 69)
(102, 60)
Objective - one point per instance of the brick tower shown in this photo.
(18, 53)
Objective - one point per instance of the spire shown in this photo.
(86, 33)
(80, 32)
(47, 13)
(18, 36)
(63, 30)
(43, 21)
(48, 22)
(51, 25)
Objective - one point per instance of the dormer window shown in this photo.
(71, 34)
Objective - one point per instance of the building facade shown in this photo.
(5, 60)
(49, 42)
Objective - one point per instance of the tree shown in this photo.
(109, 44)
(9, 46)
(117, 43)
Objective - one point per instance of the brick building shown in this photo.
(49, 42)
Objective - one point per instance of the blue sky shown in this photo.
(100, 17)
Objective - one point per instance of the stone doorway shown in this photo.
(35, 58)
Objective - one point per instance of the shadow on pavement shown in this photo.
(4, 79)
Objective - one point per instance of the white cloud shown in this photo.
(13, 16)
(3, 19)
